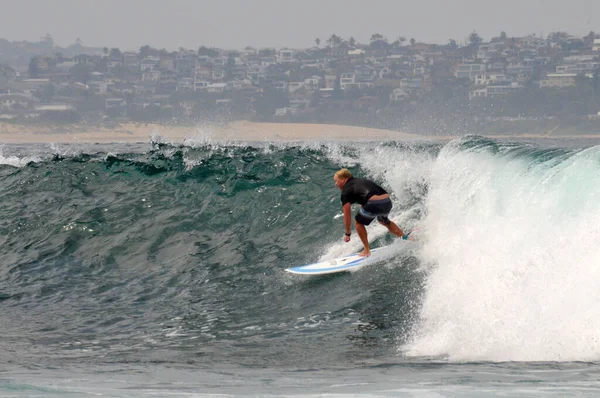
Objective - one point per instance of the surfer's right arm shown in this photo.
(347, 221)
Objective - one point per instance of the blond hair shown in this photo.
(343, 173)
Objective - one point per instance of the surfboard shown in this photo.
(351, 262)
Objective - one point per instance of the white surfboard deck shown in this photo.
(351, 262)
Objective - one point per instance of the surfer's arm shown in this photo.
(347, 218)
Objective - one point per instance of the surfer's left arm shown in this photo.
(347, 220)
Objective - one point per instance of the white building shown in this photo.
(493, 91)
(201, 85)
(285, 111)
(148, 64)
(558, 80)
(469, 71)
(313, 82)
(285, 55)
(356, 85)
(11, 101)
(216, 87)
(293, 86)
(399, 94)
(579, 67)
(490, 78)
(281, 85)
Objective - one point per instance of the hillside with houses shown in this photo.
(503, 85)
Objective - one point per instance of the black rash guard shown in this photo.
(359, 190)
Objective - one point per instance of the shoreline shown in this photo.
(239, 131)
(233, 131)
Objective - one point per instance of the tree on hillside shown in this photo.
(334, 40)
(266, 52)
(334, 44)
(474, 38)
(452, 43)
(48, 40)
(572, 45)
(80, 73)
(558, 37)
(47, 93)
(270, 100)
(503, 35)
(317, 41)
(413, 41)
(589, 39)
(342, 49)
(147, 51)
(352, 42)
(208, 52)
(376, 37)
(34, 68)
(399, 42)
(378, 42)
(101, 65)
(229, 66)
(115, 54)
(163, 53)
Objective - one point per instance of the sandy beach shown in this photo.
(235, 131)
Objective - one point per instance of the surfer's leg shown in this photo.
(391, 226)
(362, 234)
(362, 219)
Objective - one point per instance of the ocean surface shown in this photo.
(155, 269)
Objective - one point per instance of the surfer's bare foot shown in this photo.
(365, 253)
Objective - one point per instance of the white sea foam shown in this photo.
(17, 161)
(512, 243)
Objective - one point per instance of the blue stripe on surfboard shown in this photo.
(305, 270)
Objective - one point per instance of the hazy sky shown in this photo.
(234, 24)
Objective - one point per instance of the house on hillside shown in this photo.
(148, 64)
(313, 82)
(469, 71)
(10, 102)
(285, 55)
(559, 80)
(494, 91)
(130, 59)
(490, 78)
(398, 95)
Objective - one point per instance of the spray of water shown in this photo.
(400, 168)
(511, 239)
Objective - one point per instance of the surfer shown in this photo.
(374, 201)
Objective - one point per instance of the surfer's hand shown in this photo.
(347, 238)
